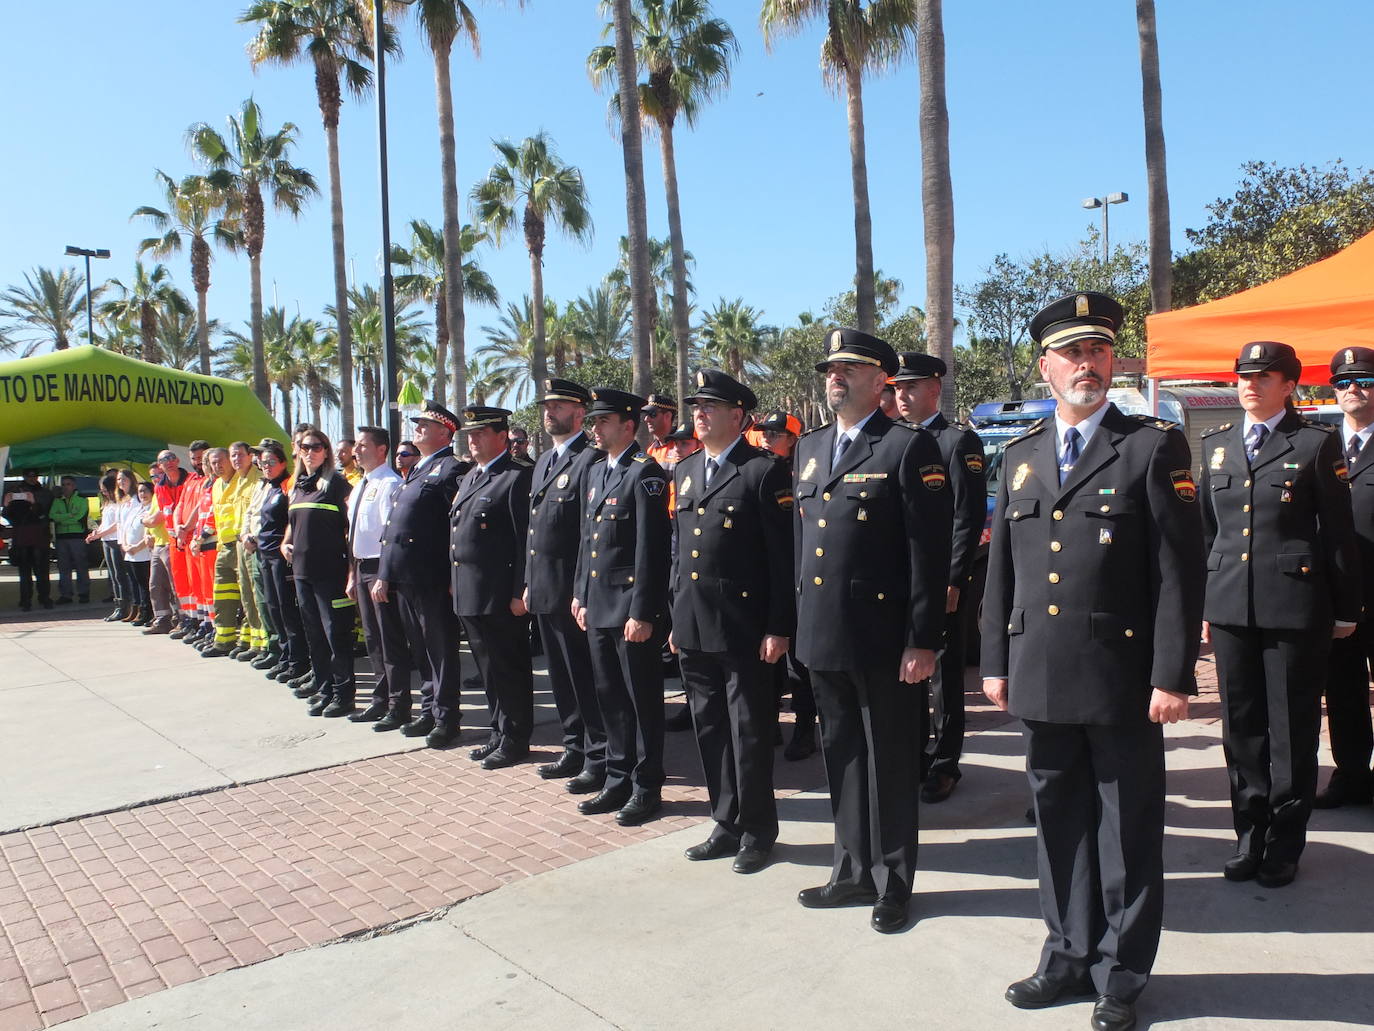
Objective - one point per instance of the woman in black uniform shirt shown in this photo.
(316, 544)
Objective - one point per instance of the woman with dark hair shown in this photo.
(293, 653)
(107, 533)
(137, 546)
(316, 545)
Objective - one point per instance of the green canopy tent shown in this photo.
(76, 410)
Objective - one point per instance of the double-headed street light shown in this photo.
(88, 254)
(1104, 203)
(390, 369)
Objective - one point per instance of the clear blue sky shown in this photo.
(1044, 111)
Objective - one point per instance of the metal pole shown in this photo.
(90, 322)
(1105, 252)
(389, 369)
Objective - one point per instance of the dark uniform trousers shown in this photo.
(1347, 707)
(327, 615)
(873, 538)
(282, 610)
(962, 452)
(791, 677)
(622, 573)
(382, 623)
(557, 490)
(431, 636)
(501, 648)
(1283, 566)
(1093, 600)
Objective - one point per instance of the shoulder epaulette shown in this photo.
(1325, 427)
(908, 425)
(641, 457)
(1155, 421)
(823, 426)
(1217, 429)
(1031, 431)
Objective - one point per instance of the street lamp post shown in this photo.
(389, 363)
(88, 254)
(1104, 203)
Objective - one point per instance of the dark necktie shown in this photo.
(1073, 447)
(711, 467)
(1255, 440)
(841, 446)
(1352, 451)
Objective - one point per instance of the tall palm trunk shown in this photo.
(1156, 171)
(327, 88)
(453, 251)
(316, 399)
(200, 279)
(682, 329)
(369, 392)
(441, 351)
(538, 358)
(147, 329)
(637, 218)
(285, 395)
(937, 193)
(865, 306)
(254, 224)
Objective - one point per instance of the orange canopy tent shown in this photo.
(1318, 310)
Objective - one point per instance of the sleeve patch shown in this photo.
(784, 498)
(653, 485)
(1342, 471)
(974, 461)
(1183, 483)
(933, 476)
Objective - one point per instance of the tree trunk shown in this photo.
(1156, 170)
(147, 329)
(682, 328)
(285, 406)
(203, 331)
(637, 218)
(937, 194)
(253, 236)
(453, 251)
(441, 351)
(538, 358)
(864, 303)
(331, 133)
(316, 403)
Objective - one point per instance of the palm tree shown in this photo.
(442, 23)
(200, 211)
(732, 337)
(423, 280)
(937, 193)
(533, 177)
(332, 35)
(366, 322)
(139, 303)
(48, 304)
(178, 338)
(1156, 167)
(861, 35)
(686, 54)
(285, 369)
(599, 324)
(318, 349)
(485, 379)
(508, 354)
(250, 162)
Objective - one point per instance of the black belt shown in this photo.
(368, 565)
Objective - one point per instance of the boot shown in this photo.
(266, 660)
(117, 616)
(183, 628)
(145, 617)
(247, 655)
(159, 626)
(326, 702)
(342, 705)
(135, 612)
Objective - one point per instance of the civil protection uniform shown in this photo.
(278, 582)
(243, 487)
(1093, 599)
(872, 539)
(257, 633)
(185, 515)
(1282, 568)
(369, 507)
(1347, 679)
(557, 491)
(622, 574)
(206, 558)
(228, 597)
(413, 563)
(732, 586)
(488, 524)
(319, 564)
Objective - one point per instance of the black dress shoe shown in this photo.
(391, 721)
(1275, 873)
(750, 859)
(889, 915)
(718, 846)
(607, 801)
(306, 689)
(640, 808)
(680, 720)
(64, 601)
(1039, 990)
(937, 788)
(339, 707)
(506, 755)
(443, 735)
(419, 727)
(1241, 867)
(371, 714)
(265, 661)
(319, 703)
(213, 653)
(1113, 1014)
(482, 751)
(803, 743)
(833, 896)
(1339, 791)
(569, 764)
(585, 783)
(247, 655)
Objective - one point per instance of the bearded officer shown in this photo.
(733, 614)
(1090, 635)
(555, 532)
(622, 602)
(1282, 582)
(1347, 677)
(918, 384)
(873, 516)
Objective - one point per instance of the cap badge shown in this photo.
(1081, 305)
(1349, 357)
(701, 379)
(548, 384)
(1255, 352)
(836, 340)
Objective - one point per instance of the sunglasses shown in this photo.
(311, 447)
(407, 454)
(1346, 382)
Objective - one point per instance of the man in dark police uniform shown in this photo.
(873, 516)
(1090, 630)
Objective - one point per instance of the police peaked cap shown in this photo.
(1352, 361)
(660, 401)
(1263, 355)
(853, 345)
(435, 412)
(609, 401)
(566, 390)
(477, 416)
(714, 385)
(914, 365)
(1075, 318)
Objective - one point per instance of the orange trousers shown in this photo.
(203, 576)
(182, 580)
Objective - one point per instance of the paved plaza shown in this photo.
(182, 847)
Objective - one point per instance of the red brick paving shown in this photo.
(97, 911)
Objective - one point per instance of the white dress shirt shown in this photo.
(369, 507)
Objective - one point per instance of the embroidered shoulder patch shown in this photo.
(784, 498)
(974, 462)
(1342, 470)
(933, 476)
(653, 486)
(1183, 483)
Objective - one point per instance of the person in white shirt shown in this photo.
(137, 545)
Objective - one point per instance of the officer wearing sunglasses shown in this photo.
(1347, 680)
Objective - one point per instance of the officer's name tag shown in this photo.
(371, 494)
(1106, 490)
(1292, 465)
